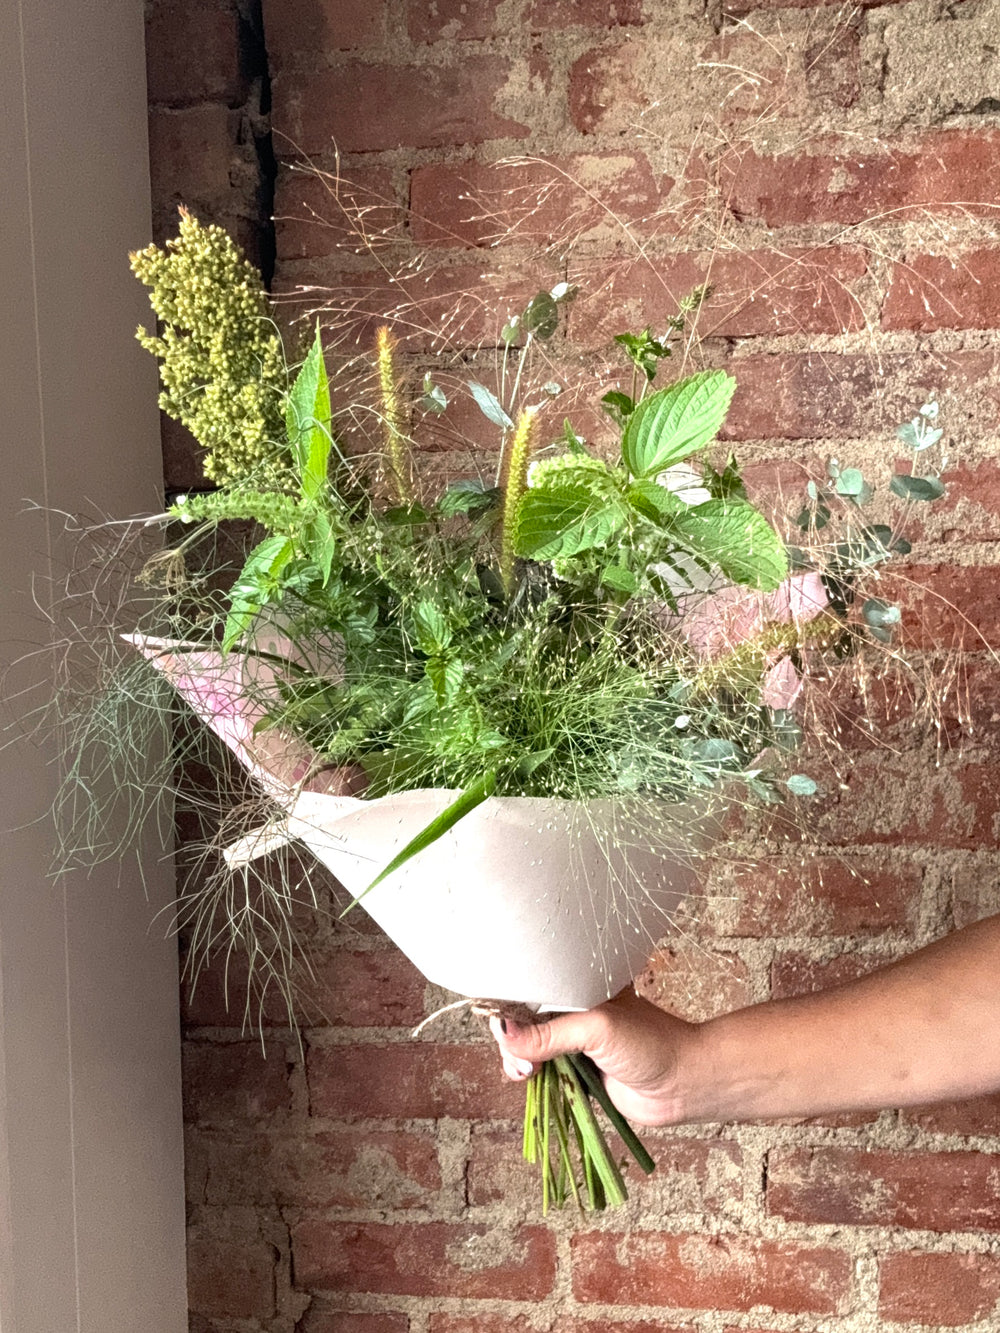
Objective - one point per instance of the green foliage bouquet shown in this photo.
(551, 682)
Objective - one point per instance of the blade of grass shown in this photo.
(448, 818)
(591, 1080)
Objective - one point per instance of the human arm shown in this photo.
(920, 1030)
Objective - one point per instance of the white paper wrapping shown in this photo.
(554, 904)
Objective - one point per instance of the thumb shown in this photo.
(525, 1046)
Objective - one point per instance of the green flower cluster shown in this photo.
(221, 360)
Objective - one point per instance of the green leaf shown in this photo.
(510, 331)
(737, 538)
(576, 444)
(801, 785)
(433, 398)
(402, 516)
(881, 614)
(916, 488)
(917, 435)
(653, 501)
(255, 585)
(619, 578)
(564, 520)
(644, 351)
(445, 675)
(850, 481)
(489, 405)
(320, 545)
(676, 422)
(467, 497)
(727, 484)
(619, 406)
(541, 316)
(447, 819)
(308, 420)
(430, 628)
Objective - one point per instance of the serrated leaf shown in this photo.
(489, 404)
(801, 785)
(653, 501)
(445, 676)
(254, 585)
(308, 421)
(881, 614)
(619, 578)
(916, 488)
(541, 316)
(737, 538)
(467, 497)
(564, 520)
(430, 628)
(676, 422)
(320, 543)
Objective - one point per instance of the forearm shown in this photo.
(924, 1029)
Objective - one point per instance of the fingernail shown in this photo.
(523, 1066)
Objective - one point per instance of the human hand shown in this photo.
(641, 1050)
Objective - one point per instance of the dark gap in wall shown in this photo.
(255, 68)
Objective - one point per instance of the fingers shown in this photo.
(524, 1048)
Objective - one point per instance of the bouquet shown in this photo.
(509, 713)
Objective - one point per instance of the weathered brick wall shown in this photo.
(805, 154)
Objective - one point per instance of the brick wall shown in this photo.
(834, 171)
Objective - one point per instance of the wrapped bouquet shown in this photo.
(511, 713)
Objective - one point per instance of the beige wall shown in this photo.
(91, 1212)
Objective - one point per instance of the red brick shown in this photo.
(814, 396)
(947, 1191)
(975, 889)
(231, 1277)
(948, 606)
(317, 213)
(941, 1289)
(192, 54)
(849, 184)
(452, 20)
(755, 294)
(709, 1272)
(346, 1168)
(322, 1318)
(833, 65)
(737, 8)
(366, 108)
(190, 153)
(546, 15)
(346, 988)
(446, 307)
(496, 1323)
(605, 91)
(818, 896)
(975, 1116)
(795, 973)
(562, 199)
(411, 1080)
(694, 983)
(931, 292)
(901, 800)
(294, 28)
(235, 1082)
(692, 1175)
(429, 1259)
